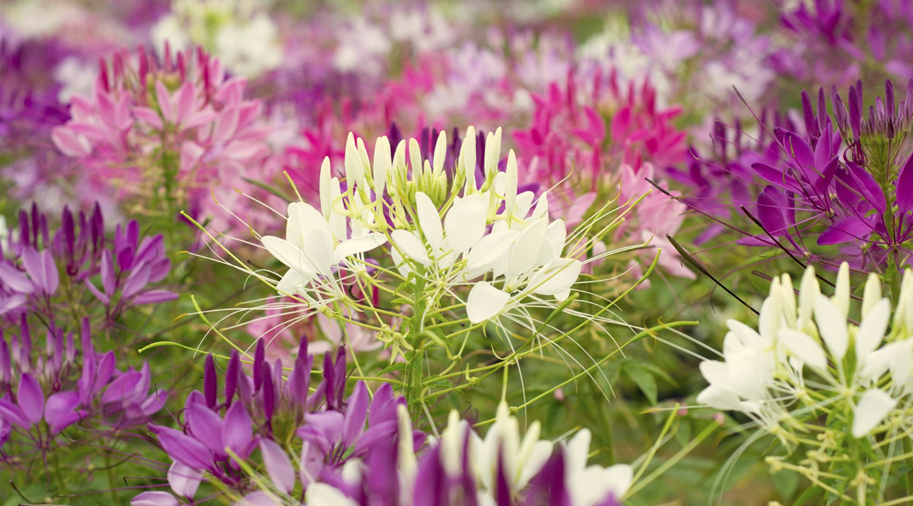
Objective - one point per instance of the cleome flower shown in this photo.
(809, 361)
(445, 232)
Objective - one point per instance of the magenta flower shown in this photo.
(182, 116)
(59, 411)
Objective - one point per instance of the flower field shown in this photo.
(448, 253)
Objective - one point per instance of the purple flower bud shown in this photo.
(210, 382)
(259, 354)
(840, 112)
(231, 376)
(268, 391)
(811, 127)
(855, 105)
(823, 119)
(889, 98)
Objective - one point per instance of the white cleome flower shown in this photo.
(865, 365)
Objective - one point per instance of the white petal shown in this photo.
(382, 162)
(871, 330)
(325, 193)
(715, 372)
(291, 282)
(358, 245)
(440, 152)
(533, 462)
(411, 246)
(484, 302)
(465, 222)
(873, 407)
(488, 250)
(808, 294)
(872, 293)
(618, 478)
(336, 221)
(467, 161)
(510, 185)
(719, 398)
(429, 219)
(556, 277)
(804, 348)
(302, 218)
(831, 322)
(524, 202)
(319, 250)
(525, 252)
(355, 171)
(321, 494)
(577, 452)
(842, 290)
(288, 254)
(556, 233)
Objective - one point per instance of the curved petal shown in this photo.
(184, 480)
(873, 407)
(484, 302)
(411, 246)
(429, 219)
(31, 398)
(465, 222)
(278, 466)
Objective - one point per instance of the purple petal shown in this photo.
(236, 430)
(256, 499)
(356, 414)
(60, 406)
(905, 187)
(184, 480)
(13, 414)
(868, 187)
(323, 428)
(380, 432)
(154, 499)
(136, 282)
(383, 407)
(183, 448)
(847, 229)
(154, 297)
(14, 279)
(107, 273)
(206, 426)
(31, 398)
(121, 387)
(278, 466)
(66, 420)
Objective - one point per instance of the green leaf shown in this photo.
(644, 381)
(809, 496)
(394, 367)
(786, 484)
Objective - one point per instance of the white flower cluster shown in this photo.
(442, 230)
(238, 32)
(809, 359)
